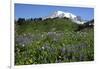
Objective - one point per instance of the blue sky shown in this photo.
(35, 11)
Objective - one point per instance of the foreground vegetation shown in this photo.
(52, 41)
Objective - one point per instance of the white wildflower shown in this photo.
(23, 45)
(43, 47)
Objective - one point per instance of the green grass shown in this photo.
(53, 41)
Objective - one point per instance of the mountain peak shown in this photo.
(59, 12)
(62, 14)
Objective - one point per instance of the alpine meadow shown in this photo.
(56, 36)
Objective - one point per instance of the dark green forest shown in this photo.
(56, 40)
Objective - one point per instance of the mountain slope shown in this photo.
(56, 24)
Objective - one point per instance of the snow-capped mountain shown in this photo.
(62, 14)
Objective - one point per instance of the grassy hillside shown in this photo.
(52, 41)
